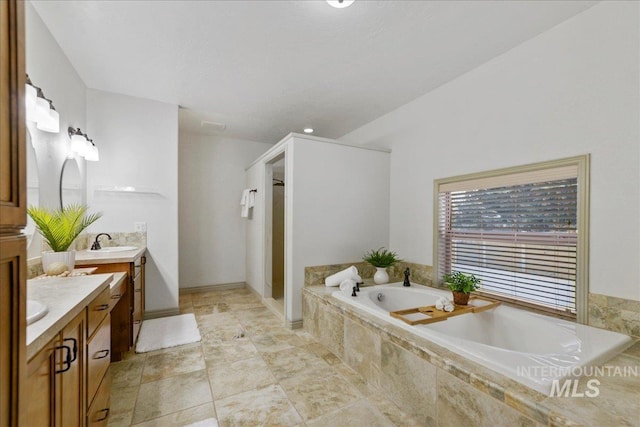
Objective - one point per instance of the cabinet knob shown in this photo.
(102, 307)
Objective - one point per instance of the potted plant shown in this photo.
(381, 259)
(59, 228)
(461, 285)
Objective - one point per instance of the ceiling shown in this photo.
(267, 68)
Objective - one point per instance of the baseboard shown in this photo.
(208, 288)
(295, 324)
(161, 313)
(274, 307)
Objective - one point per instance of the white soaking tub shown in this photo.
(530, 348)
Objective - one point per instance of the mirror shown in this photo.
(71, 184)
(33, 187)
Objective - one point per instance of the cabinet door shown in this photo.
(40, 387)
(71, 399)
(13, 255)
(13, 195)
(12, 213)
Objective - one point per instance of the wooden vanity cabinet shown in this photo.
(127, 314)
(67, 381)
(55, 386)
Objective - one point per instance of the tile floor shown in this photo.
(268, 376)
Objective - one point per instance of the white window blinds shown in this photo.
(517, 232)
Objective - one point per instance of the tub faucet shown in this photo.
(406, 282)
(96, 244)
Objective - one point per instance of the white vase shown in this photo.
(67, 258)
(381, 277)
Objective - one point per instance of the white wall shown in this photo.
(569, 91)
(340, 208)
(50, 69)
(336, 208)
(255, 238)
(212, 233)
(138, 142)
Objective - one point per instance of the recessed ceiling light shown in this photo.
(308, 130)
(340, 4)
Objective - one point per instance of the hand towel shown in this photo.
(244, 202)
(339, 277)
(346, 287)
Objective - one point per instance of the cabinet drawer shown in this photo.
(98, 357)
(98, 309)
(117, 292)
(99, 411)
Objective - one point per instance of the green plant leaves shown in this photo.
(60, 227)
(461, 282)
(381, 257)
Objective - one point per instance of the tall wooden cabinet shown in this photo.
(13, 246)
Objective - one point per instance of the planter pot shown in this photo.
(460, 298)
(67, 258)
(381, 277)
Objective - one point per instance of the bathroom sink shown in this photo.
(35, 311)
(114, 249)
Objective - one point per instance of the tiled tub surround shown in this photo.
(420, 273)
(84, 241)
(445, 389)
(494, 338)
(605, 312)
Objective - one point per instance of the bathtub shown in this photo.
(530, 348)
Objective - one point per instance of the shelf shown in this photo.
(127, 189)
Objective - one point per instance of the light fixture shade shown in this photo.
(49, 122)
(92, 154)
(78, 143)
(42, 109)
(31, 95)
(340, 4)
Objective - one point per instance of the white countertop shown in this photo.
(65, 298)
(92, 257)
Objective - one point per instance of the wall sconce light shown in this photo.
(82, 145)
(39, 109)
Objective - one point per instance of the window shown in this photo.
(522, 231)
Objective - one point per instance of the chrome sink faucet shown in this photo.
(96, 244)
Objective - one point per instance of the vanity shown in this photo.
(68, 351)
(127, 299)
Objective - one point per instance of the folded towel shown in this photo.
(346, 287)
(444, 304)
(244, 202)
(339, 277)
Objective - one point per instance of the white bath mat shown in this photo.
(167, 332)
(209, 422)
